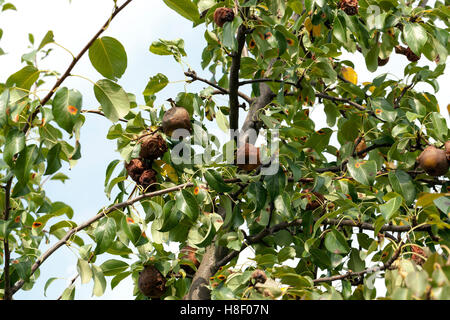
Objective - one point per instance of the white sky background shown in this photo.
(136, 27)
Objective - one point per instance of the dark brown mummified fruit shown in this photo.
(433, 161)
(350, 7)
(259, 276)
(153, 146)
(135, 168)
(147, 178)
(247, 157)
(382, 62)
(222, 15)
(408, 53)
(189, 254)
(176, 118)
(447, 150)
(313, 203)
(360, 147)
(151, 282)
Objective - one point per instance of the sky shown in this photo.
(136, 27)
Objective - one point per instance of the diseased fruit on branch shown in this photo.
(447, 150)
(360, 147)
(313, 203)
(433, 161)
(189, 254)
(152, 147)
(151, 282)
(408, 53)
(135, 168)
(147, 178)
(418, 255)
(176, 118)
(222, 15)
(247, 157)
(259, 276)
(350, 7)
(382, 62)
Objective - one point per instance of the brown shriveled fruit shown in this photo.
(350, 7)
(382, 62)
(153, 146)
(313, 203)
(189, 254)
(135, 168)
(408, 53)
(247, 157)
(447, 150)
(176, 118)
(147, 178)
(259, 276)
(222, 15)
(433, 161)
(360, 147)
(151, 282)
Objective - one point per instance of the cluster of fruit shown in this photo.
(153, 146)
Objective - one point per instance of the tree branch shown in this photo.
(71, 66)
(100, 215)
(193, 75)
(100, 113)
(234, 79)
(7, 293)
(350, 274)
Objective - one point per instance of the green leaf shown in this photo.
(84, 270)
(174, 48)
(216, 182)
(443, 203)
(222, 121)
(186, 8)
(210, 233)
(156, 84)
(295, 280)
(112, 98)
(53, 160)
(112, 267)
(132, 231)
(104, 234)
(275, 184)
(171, 216)
(186, 203)
(109, 170)
(48, 283)
(417, 282)
(4, 100)
(257, 194)
(15, 142)
(118, 278)
(285, 254)
(415, 36)
(24, 78)
(340, 29)
(438, 127)
(109, 58)
(336, 243)
(66, 107)
(363, 171)
(402, 183)
(68, 293)
(372, 58)
(390, 208)
(99, 281)
(25, 162)
(48, 38)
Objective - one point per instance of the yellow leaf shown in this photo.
(316, 31)
(448, 108)
(308, 24)
(371, 88)
(350, 75)
(166, 170)
(426, 199)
